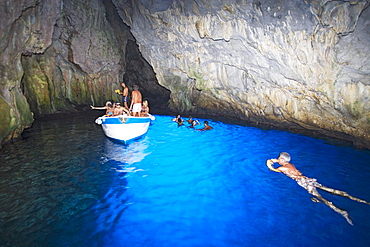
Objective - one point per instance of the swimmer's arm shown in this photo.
(98, 108)
(269, 165)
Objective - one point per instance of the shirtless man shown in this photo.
(310, 184)
(177, 119)
(136, 99)
(124, 94)
(118, 109)
(206, 126)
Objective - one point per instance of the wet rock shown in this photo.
(283, 64)
(292, 65)
(61, 56)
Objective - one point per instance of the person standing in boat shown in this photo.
(310, 184)
(136, 99)
(124, 95)
(108, 108)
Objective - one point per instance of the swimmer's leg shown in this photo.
(314, 199)
(344, 213)
(341, 193)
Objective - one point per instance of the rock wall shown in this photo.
(288, 64)
(293, 64)
(49, 52)
(58, 56)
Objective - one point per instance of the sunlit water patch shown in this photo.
(66, 184)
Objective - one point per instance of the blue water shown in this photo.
(66, 184)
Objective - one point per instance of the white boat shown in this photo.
(123, 127)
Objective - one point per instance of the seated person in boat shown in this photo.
(206, 126)
(118, 109)
(144, 109)
(108, 107)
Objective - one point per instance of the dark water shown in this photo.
(66, 184)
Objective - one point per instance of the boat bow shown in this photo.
(124, 127)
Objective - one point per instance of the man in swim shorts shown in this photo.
(136, 100)
(310, 184)
(124, 95)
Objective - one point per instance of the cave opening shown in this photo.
(140, 72)
(136, 69)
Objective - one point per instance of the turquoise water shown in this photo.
(66, 184)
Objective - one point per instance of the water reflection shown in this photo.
(52, 181)
(66, 184)
(107, 212)
(122, 158)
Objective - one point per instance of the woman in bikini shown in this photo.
(144, 109)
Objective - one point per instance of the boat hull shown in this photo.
(124, 128)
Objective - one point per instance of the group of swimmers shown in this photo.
(141, 109)
(192, 123)
(138, 108)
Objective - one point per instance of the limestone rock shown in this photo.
(290, 63)
(60, 56)
(287, 64)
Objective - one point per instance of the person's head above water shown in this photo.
(285, 156)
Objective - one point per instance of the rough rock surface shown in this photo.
(289, 64)
(61, 55)
(293, 64)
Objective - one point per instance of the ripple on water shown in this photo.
(66, 184)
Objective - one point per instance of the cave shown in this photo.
(301, 67)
